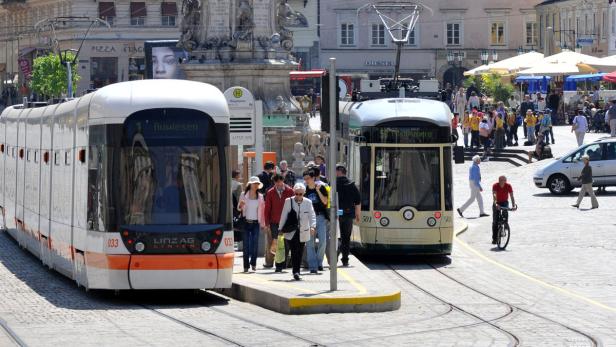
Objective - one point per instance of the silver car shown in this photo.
(560, 176)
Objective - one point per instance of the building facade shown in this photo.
(583, 25)
(463, 28)
(306, 39)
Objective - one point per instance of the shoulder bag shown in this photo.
(292, 222)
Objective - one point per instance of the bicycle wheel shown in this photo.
(503, 236)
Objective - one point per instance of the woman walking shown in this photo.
(580, 125)
(251, 206)
(306, 225)
(466, 128)
(586, 178)
(460, 101)
(317, 193)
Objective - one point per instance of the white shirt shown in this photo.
(250, 211)
(582, 124)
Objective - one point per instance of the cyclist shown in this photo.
(501, 191)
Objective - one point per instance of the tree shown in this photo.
(495, 87)
(49, 76)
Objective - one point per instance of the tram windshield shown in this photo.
(170, 170)
(407, 177)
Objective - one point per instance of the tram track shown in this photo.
(513, 339)
(590, 338)
(12, 334)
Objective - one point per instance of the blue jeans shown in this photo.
(315, 255)
(251, 244)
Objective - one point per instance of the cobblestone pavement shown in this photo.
(553, 286)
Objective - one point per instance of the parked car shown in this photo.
(560, 175)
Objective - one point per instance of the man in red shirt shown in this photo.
(501, 192)
(274, 202)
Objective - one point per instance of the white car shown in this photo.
(560, 176)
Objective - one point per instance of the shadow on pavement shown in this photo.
(60, 291)
(381, 262)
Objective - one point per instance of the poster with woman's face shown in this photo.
(163, 59)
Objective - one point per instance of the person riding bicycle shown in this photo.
(501, 192)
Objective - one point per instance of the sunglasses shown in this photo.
(299, 194)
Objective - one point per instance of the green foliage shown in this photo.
(493, 85)
(476, 80)
(49, 76)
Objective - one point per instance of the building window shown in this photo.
(531, 33)
(137, 13)
(453, 34)
(541, 31)
(378, 34)
(413, 37)
(347, 34)
(168, 12)
(497, 33)
(103, 71)
(106, 11)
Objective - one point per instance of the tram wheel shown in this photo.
(503, 236)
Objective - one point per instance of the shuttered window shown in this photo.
(168, 12)
(106, 11)
(138, 13)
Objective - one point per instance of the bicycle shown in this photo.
(502, 226)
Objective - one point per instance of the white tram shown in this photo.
(399, 154)
(123, 188)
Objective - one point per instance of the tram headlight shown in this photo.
(206, 246)
(384, 221)
(431, 221)
(139, 246)
(408, 214)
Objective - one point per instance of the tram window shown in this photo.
(447, 176)
(67, 157)
(407, 177)
(365, 178)
(28, 155)
(56, 158)
(36, 153)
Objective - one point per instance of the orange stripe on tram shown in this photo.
(160, 262)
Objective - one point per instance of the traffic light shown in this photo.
(325, 100)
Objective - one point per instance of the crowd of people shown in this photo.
(293, 216)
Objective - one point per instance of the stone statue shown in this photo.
(287, 17)
(298, 155)
(281, 105)
(190, 28)
(244, 22)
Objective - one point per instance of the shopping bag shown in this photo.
(280, 256)
(274, 247)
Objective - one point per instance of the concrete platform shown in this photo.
(359, 290)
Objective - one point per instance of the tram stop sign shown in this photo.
(242, 109)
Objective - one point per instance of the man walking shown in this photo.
(611, 118)
(501, 191)
(266, 176)
(586, 178)
(349, 202)
(474, 178)
(274, 202)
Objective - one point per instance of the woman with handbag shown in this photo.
(299, 223)
(251, 206)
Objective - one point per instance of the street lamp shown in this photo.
(68, 62)
(455, 59)
(520, 50)
(494, 55)
(484, 56)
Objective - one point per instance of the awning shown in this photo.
(521, 79)
(106, 9)
(137, 9)
(610, 77)
(300, 75)
(587, 77)
(168, 9)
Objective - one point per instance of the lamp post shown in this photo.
(484, 57)
(520, 50)
(68, 62)
(455, 59)
(494, 55)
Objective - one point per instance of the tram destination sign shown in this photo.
(242, 109)
(417, 134)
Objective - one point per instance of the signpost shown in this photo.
(333, 147)
(242, 109)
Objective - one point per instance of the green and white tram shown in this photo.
(399, 153)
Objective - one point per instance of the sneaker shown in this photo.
(296, 277)
(245, 270)
(278, 270)
(254, 268)
(493, 242)
(314, 272)
(267, 266)
(320, 268)
(592, 208)
(576, 206)
(460, 213)
(345, 264)
(484, 215)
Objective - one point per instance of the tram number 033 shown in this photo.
(228, 241)
(112, 243)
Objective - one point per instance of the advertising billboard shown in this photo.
(162, 59)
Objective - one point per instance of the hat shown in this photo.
(254, 179)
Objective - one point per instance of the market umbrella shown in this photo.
(552, 69)
(610, 77)
(570, 57)
(517, 63)
(477, 71)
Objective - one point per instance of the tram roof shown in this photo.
(377, 111)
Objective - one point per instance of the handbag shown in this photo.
(280, 252)
(238, 222)
(292, 223)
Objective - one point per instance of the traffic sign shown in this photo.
(242, 109)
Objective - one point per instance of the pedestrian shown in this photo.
(319, 160)
(484, 134)
(499, 136)
(266, 176)
(512, 133)
(586, 179)
(501, 191)
(513, 103)
(236, 186)
(252, 206)
(466, 128)
(274, 202)
(474, 178)
(349, 201)
(317, 193)
(545, 126)
(474, 121)
(530, 122)
(473, 101)
(454, 124)
(539, 148)
(313, 102)
(460, 101)
(611, 118)
(579, 126)
(287, 174)
(306, 225)
(526, 105)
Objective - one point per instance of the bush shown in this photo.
(493, 86)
